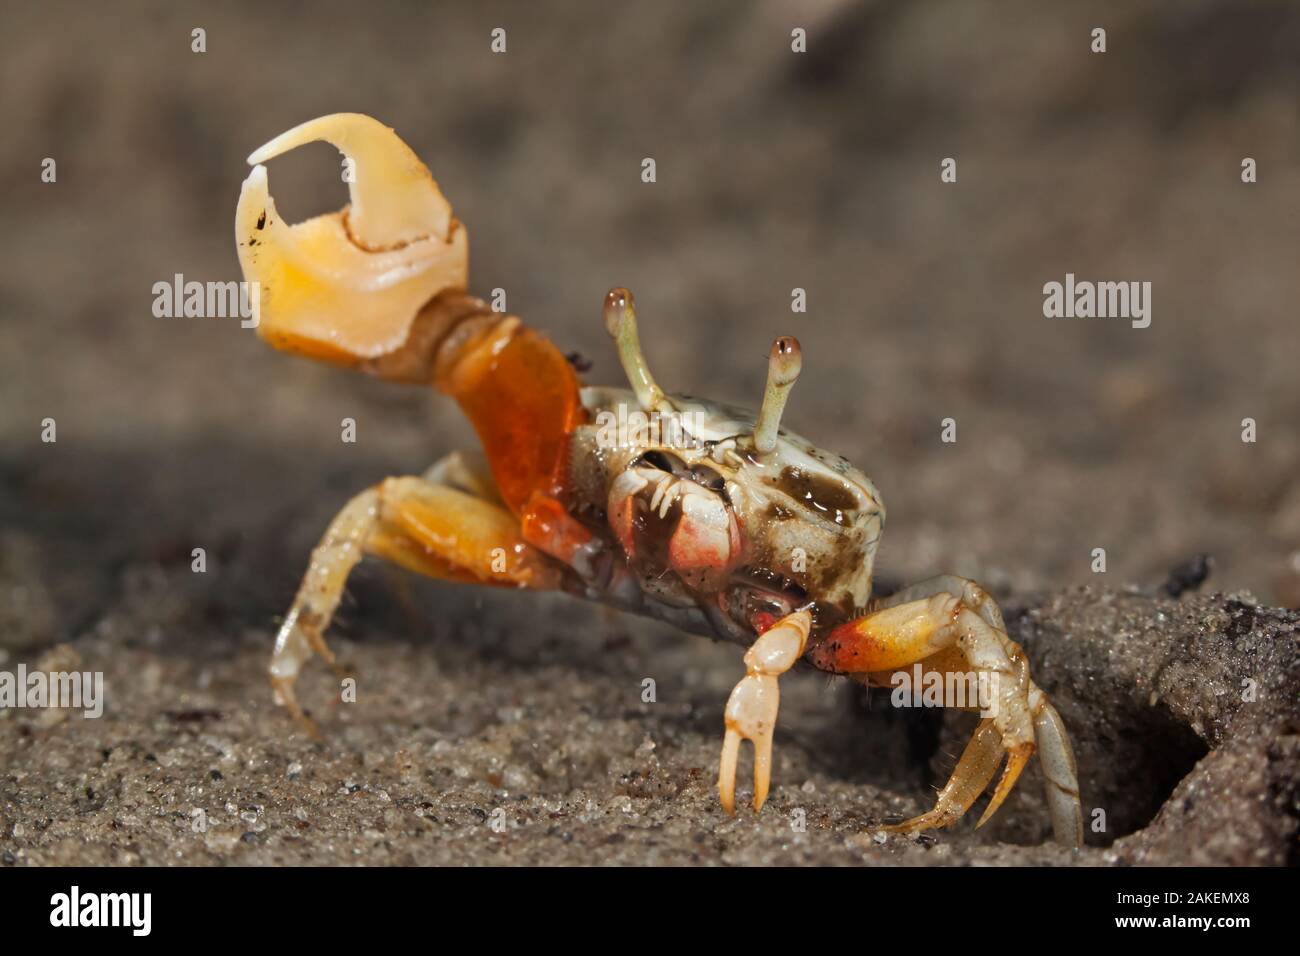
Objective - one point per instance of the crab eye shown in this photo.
(662, 461)
(708, 477)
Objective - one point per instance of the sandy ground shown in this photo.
(775, 171)
(486, 744)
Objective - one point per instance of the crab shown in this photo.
(714, 519)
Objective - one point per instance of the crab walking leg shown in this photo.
(979, 761)
(751, 709)
(1061, 776)
(970, 593)
(973, 773)
(959, 623)
(431, 529)
(301, 634)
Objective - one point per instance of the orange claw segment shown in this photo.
(883, 640)
(392, 544)
(472, 536)
(521, 395)
(546, 525)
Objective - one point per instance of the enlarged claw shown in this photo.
(752, 707)
(394, 199)
(346, 286)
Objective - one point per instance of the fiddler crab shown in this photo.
(718, 521)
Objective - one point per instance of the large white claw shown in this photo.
(346, 286)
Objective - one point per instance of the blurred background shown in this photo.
(775, 170)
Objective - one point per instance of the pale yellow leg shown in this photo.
(302, 632)
(979, 761)
(751, 710)
(951, 624)
(1052, 741)
(431, 529)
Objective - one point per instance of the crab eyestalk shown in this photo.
(620, 323)
(347, 286)
(783, 365)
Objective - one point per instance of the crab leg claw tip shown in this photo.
(1017, 757)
